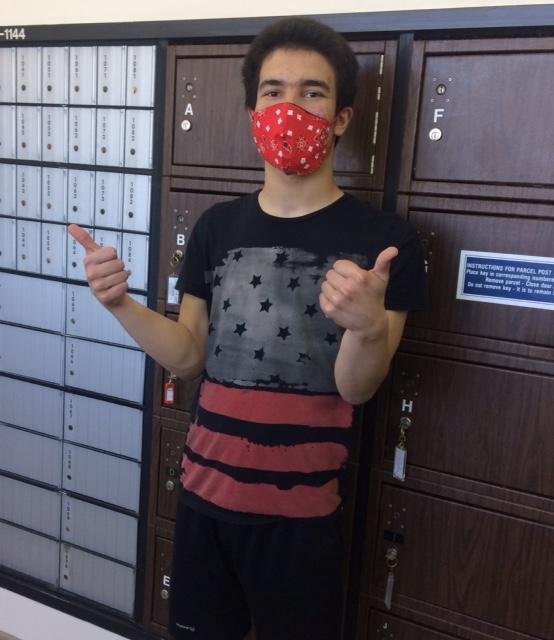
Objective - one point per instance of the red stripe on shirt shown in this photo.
(238, 452)
(269, 407)
(265, 499)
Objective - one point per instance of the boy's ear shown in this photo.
(342, 120)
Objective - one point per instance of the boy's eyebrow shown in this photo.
(302, 83)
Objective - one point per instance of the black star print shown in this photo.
(256, 280)
(259, 354)
(281, 258)
(217, 280)
(316, 278)
(217, 351)
(293, 283)
(310, 310)
(237, 255)
(283, 333)
(265, 305)
(226, 304)
(331, 338)
(240, 328)
(211, 328)
(302, 357)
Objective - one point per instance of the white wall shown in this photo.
(38, 12)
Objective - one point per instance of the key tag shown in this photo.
(172, 291)
(169, 390)
(392, 561)
(401, 451)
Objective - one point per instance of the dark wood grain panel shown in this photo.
(468, 561)
(171, 446)
(162, 582)
(445, 236)
(490, 425)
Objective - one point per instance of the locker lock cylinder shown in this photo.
(186, 125)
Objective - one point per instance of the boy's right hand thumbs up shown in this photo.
(106, 273)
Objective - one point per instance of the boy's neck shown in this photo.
(292, 196)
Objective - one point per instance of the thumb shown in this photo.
(381, 268)
(83, 238)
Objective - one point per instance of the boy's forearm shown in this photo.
(169, 343)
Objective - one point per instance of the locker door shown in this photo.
(172, 443)
(8, 129)
(82, 75)
(54, 194)
(29, 133)
(182, 211)
(54, 250)
(134, 253)
(141, 66)
(470, 570)
(7, 189)
(28, 191)
(103, 425)
(112, 65)
(8, 254)
(28, 246)
(29, 553)
(110, 137)
(55, 134)
(7, 74)
(81, 197)
(162, 581)
(136, 202)
(55, 71)
(97, 579)
(108, 200)
(101, 530)
(29, 74)
(82, 136)
(138, 138)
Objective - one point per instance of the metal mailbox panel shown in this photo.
(32, 354)
(55, 132)
(29, 553)
(8, 243)
(8, 130)
(480, 547)
(507, 146)
(32, 406)
(134, 254)
(103, 425)
(54, 194)
(109, 370)
(82, 136)
(29, 74)
(28, 191)
(82, 75)
(30, 455)
(75, 256)
(97, 579)
(110, 137)
(86, 318)
(449, 234)
(108, 200)
(112, 64)
(29, 125)
(7, 188)
(136, 202)
(141, 66)
(28, 246)
(34, 302)
(80, 195)
(30, 506)
(99, 529)
(54, 250)
(106, 238)
(7, 74)
(138, 138)
(55, 71)
(101, 476)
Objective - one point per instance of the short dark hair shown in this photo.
(302, 34)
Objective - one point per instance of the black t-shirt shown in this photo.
(270, 433)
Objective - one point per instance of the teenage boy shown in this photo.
(294, 301)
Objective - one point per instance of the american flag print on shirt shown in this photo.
(270, 433)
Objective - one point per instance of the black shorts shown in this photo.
(285, 576)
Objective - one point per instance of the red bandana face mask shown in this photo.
(292, 139)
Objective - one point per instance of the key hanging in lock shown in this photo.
(169, 390)
(401, 450)
(391, 560)
(172, 292)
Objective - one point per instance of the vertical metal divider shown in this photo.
(153, 267)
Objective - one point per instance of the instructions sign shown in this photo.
(504, 278)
